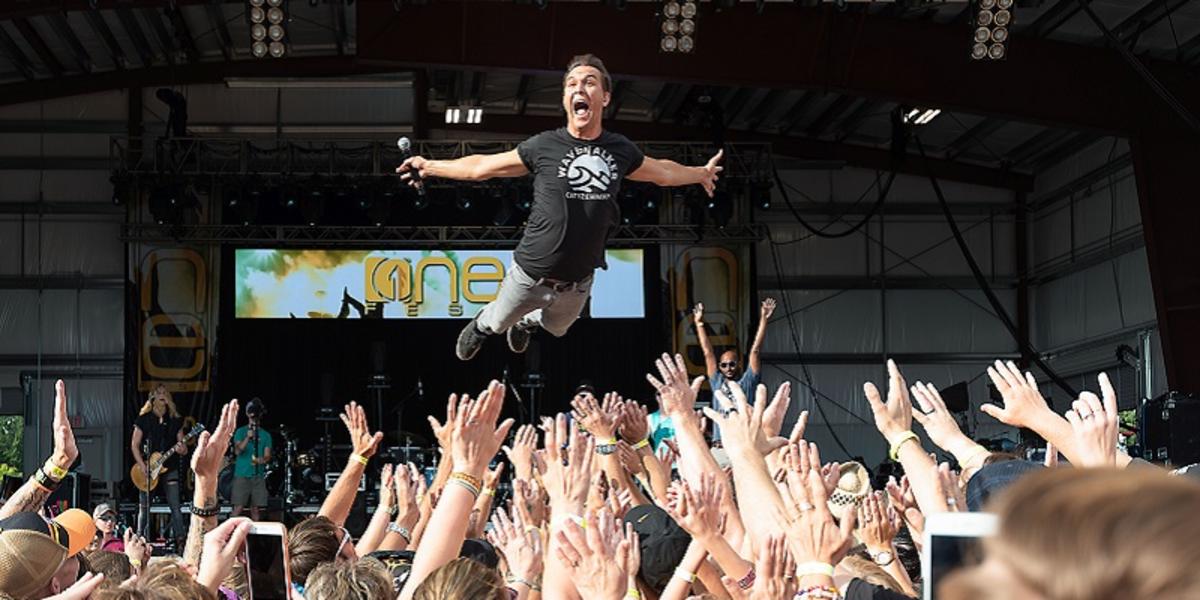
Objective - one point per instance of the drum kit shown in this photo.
(299, 477)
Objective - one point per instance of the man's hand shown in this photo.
(767, 309)
(211, 447)
(475, 437)
(440, 431)
(65, 450)
(677, 396)
(364, 442)
(709, 173)
(633, 425)
(893, 417)
(520, 454)
(597, 557)
(938, 423)
(777, 410)
(599, 419)
(742, 428)
(221, 547)
(1095, 425)
(411, 164)
(181, 448)
(568, 485)
(1023, 403)
(698, 314)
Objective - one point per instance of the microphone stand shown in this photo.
(145, 499)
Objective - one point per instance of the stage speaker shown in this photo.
(956, 398)
(75, 491)
(1170, 429)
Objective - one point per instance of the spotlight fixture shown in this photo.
(761, 191)
(677, 24)
(990, 20)
(267, 20)
(455, 115)
(920, 116)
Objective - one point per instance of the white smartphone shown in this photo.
(952, 541)
(267, 561)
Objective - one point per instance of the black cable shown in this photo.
(1142, 71)
(883, 192)
(796, 343)
(1026, 348)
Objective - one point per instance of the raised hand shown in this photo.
(633, 424)
(520, 454)
(677, 397)
(65, 451)
(599, 419)
(1023, 403)
(1095, 425)
(212, 446)
(698, 509)
(529, 499)
(937, 421)
(773, 569)
(877, 523)
(475, 437)
(698, 313)
(742, 428)
(777, 410)
(387, 485)
(364, 442)
(442, 432)
(221, 547)
(568, 484)
(520, 546)
(137, 549)
(709, 173)
(409, 487)
(412, 164)
(814, 535)
(893, 417)
(597, 558)
(767, 309)
(491, 477)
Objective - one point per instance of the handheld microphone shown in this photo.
(405, 146)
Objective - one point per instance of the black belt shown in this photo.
(559, 285)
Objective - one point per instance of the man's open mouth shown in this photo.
(580, 107)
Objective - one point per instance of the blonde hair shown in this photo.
(870, 572)
(162, 580)
(462, 579)
(1069, 534)
(149, 405)
(365, 579)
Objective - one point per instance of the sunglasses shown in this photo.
(109, 518)
(346, 539)
(729, 364)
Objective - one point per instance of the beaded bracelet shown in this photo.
(475, 482)
(513, 579)
(205, 513)
(747, 582)
(818, 592)
(465, 485)
(402, 532)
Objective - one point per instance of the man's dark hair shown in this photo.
(589, 60)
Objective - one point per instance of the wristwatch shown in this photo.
(605, 449)
(883, 558)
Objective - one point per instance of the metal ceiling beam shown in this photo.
(25, 28)
(859, 156)
(14, 9)
(183, 35)
(1189, 51)
(765, 107)
(974, 135)
(58, 21)
(872, 282)
(1019, 88)
(827, 116)
(217, 18)
(1146, 17)
(735, 102)
(1067, 149)
(165, 39)
(100, 27)
(14, 54)
(658, 108)
(849, 124)
(795, 114)
(620, 91)
(1054, 17)
(478, 82)
(133, 30)
(1036, 144)
(679, 103)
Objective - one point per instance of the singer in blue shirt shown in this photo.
(252, 447)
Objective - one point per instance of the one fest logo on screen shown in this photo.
(590, 170)
(398, 280)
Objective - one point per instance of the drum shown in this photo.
(308, 459)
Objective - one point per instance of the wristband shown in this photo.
(814, 568)
(894, 451)
(135, 563)
(979, 450)
(489, 492)
(54, 471)
(606, 449)
(360, 459)
(685, 575)
(475, 482)
(634, 594)
(513, 579)
(747, 582)
(402, 532)
(465, 485)
(205, 513)
(821, 592)
(641, 444)
(44, 481)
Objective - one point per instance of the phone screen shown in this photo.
(948, 553)
(264, 557)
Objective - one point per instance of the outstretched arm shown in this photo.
(476, 167)
(764, 315)
(710, 359)
(669, 173)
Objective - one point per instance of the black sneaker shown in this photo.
(469, 341)
(518, 338)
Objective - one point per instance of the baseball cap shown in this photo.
(663, 543)
(32, 549)
(991, 479)
(585, 386)
(102, 509)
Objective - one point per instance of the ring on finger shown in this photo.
(806, 506)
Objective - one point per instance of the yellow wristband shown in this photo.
(135, 563)
(641, 444)
(54, 471)
(362, 460)
(814, 568)
(633, 593)
(975, 454)
(490, 491)
(894, 451)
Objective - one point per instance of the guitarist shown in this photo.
(159, 428)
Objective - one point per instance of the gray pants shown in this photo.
(530, 302)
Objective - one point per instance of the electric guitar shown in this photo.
(155, 463)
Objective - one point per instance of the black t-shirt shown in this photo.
(575, 185)
(162, 436)
(858, 589)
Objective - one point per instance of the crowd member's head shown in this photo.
(585, 390)
(994, 477)
(37, 558)
(728, 364)
(315, 541)
(162, 580)
(365, 579)
(662, 541)
(1089, 533)
(114, 565)
(865, 569)
(105, 519)
(462, 579)
(160, 403)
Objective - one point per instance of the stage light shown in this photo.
(677, 23)
(463, 199)
(990, 20)
(761, 191)
(259, 49)
(267, 20)
(475, 116)
(921, 116)
(453, 115)
(277, 49)
(164, 204)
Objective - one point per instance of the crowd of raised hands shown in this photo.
(595, 512)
